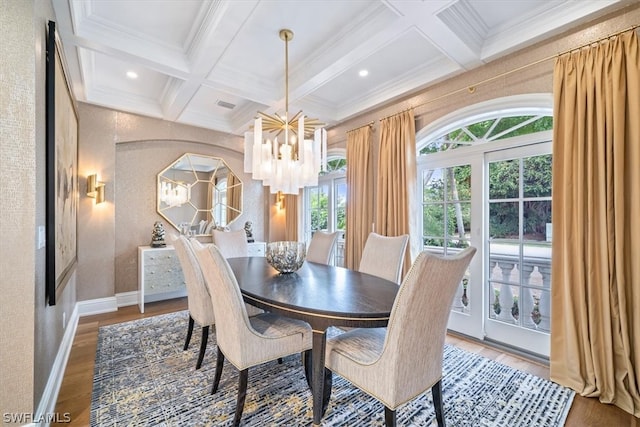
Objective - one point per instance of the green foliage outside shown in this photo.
(447, 192)
(503, 184)
(319, 204)
(319, 200)
(320, 212)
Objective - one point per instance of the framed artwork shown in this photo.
(61, 172)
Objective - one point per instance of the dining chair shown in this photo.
(232, 244)
(198, 298)
(245, 341)
(383, 256)
(321, 247)
(397, 363)
(195, 244)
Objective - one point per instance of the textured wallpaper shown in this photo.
(127, 152)
(137, 165)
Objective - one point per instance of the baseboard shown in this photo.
(97, 306)
(45, 411)
(125, 299)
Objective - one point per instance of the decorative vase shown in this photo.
(286, 257)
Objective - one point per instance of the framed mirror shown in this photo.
(198, 193)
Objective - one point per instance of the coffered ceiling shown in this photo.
(214, 64)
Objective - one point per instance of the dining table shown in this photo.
(321, 295)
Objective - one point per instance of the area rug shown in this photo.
(143, 377)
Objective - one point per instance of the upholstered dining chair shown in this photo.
(198, 298)
(232, 244)
(245, 341)
(236, 251)
(397, 363)
(383, 256)
(321, 247)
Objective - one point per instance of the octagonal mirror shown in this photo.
(198, 193)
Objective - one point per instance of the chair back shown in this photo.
(232, 244)
(198, 298)
(418, 323)
(383, 256)
(321, 247)
(232, 321)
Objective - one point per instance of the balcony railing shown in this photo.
(515, 298)
(524, 301)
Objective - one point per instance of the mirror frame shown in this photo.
(190, 165)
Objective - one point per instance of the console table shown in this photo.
(160, 275)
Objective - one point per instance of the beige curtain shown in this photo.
(359, 194)
(291, 217)
(396, 183)
(234, 197)
(595, 330)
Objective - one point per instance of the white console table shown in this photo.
(160, 274)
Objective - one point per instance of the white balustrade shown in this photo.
(535, 288)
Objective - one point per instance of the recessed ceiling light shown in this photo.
(363, 73)
(132, 75)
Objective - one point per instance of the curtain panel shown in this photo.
(360, 194)
(396, 183)
(595, 330)
(291, 217)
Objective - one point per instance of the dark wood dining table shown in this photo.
(321, 295)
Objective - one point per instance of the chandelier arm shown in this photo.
(295, 118)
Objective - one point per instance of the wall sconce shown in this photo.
(280, 200)
(95, 188)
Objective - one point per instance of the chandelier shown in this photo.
(294, 162)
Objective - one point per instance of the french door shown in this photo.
(325, 210)
(497, 198)
(518, 247)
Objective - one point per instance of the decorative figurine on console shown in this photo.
(248, 231)
(157, 235)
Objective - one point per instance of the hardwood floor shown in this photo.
(75, 393)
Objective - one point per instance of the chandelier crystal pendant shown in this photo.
(296, 160)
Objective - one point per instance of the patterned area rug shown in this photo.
(143, 378)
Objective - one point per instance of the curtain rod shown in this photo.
(472, 88)
(371, 123)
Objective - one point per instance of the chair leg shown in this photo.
(306, 362)
(189, 332)
(436, 392)
(389, 417)
(219, 363)
(203, 345)
(242, 394)
(328, 385)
